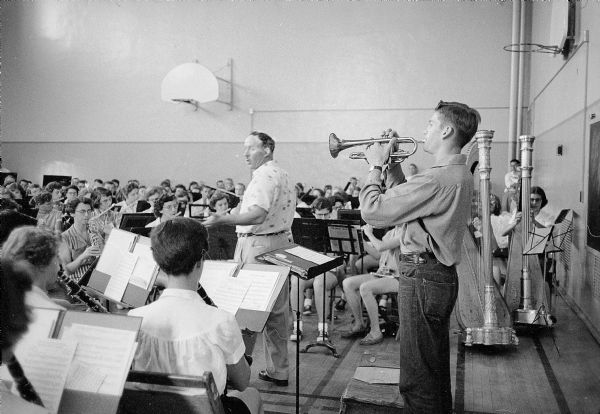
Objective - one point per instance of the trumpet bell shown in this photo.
(334, 145)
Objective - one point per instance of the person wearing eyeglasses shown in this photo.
(431, 212)
(77, 249)
(165, 208)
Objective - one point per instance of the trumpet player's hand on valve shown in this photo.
(379, 154)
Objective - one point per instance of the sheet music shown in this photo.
(309, 255)
(261, 288)
(106, 350)
(214, 272)
(230, 294)
(120, 278)
(118, 242)
(84, 378)
(143, 272)
(46, 364)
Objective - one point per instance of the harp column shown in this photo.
(491, 333)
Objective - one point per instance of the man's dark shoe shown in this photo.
(265, 377)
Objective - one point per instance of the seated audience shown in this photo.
(35, 251)
(132, 204)
(103, 218)
(55, 189)
(367, 286)
(77, 250)
(48, 217)
(152, 195)
(165, 208)
(71, 193)
(180, 333)
(219, 202)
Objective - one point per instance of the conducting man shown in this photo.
(263, 224)
(432, 211)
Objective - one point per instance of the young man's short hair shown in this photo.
(464, 119)
(178, 245)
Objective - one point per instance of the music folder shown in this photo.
(126, 270)
(304, 262)
(249, 291)
(78, 361)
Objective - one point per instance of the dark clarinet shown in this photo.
(210, 302)
(25, 388)
(77, 292)
(205, 296)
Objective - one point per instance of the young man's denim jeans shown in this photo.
(426, 295)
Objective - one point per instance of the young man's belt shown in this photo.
(261, 234)
(418, 258)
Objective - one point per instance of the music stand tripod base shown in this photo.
(490, 336)
(326, 344)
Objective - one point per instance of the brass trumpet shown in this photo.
(398, 155)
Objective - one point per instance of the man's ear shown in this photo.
(447, 131)
(268, 151)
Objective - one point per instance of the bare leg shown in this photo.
(351, 287)
(368, 291)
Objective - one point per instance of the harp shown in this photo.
(481, 310)
(525, 291)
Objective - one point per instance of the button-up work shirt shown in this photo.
(271, 190)
(440, 197)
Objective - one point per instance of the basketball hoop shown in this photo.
(532, 48)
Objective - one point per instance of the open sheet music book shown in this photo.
(248, 292)
(77, 361)
(126, 270)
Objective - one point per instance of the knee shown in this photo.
(365, 290)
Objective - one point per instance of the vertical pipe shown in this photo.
(526, 141)
(521, 70)
(514, 67)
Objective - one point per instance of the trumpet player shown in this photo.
(431, 211)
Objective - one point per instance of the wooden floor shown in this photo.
(552, 370)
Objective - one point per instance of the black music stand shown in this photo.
(222, 240)
(544, 242)
(304, 269)
(340, 237)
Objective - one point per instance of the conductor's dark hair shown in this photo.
(14, 314)
(266, 140)
(463, 118)
(539, 191)
(178, 245)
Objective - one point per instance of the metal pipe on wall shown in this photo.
(514, 77)
(521, 73)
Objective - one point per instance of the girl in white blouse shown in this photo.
(180, 333)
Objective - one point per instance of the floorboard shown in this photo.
(552, 370)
